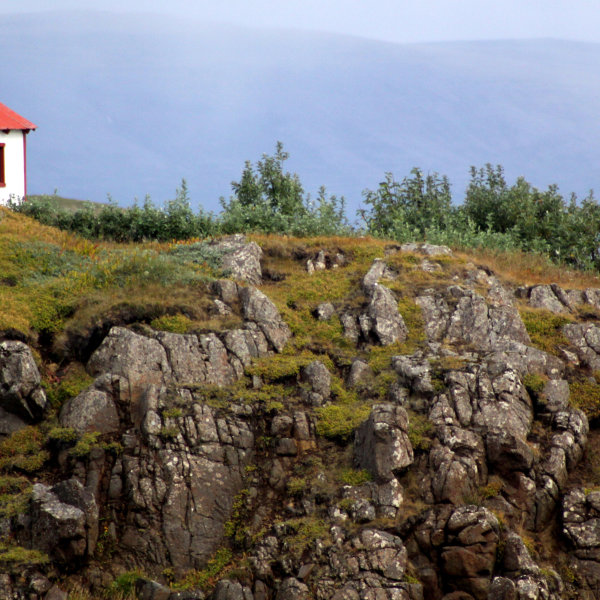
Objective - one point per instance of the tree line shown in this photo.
(419, 207)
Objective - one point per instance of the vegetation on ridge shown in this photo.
(267, 199)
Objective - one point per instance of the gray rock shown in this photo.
(581, 519)
(258, 308)
(430, 267)
(64, 520)
(508, 453)
(483, 325)
(146, 589)
(56, 593)
(556, 395)
(516, 559)
(544, 296)
(286, 447)
(324, 311)
(9, 423)
(382, 318)
(292, 589)
(21, 393)
(240, 259)
(469, 554)
(457, 464)
(318, 379)
(92, 410)
(381, 443)
(245, 344)
(140, 359)
(415, 373)
(502, 588)
(373, 275)
(382, 552)
(226, 290)
(231, 590)
(184, 490)
(360, 373)
(426, 249)
(585, 337)
(350, 326)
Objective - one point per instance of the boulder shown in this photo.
(382, 318)
(461, 316)
(360, 373)
(92, 410)
(585, 337)
(240, 259)
(184, 489)
(469, 554)
(64, 520)
(324, 311)
(318, 381)
(21, 393)
(258, 308)
(426, 249)
(381, 443)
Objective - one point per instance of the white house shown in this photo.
(13, 154)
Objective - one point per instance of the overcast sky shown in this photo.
(391, 20)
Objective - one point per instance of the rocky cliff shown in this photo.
(379, 422)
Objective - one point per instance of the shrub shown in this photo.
(172, 323)
(544, 328)
(207, 577)
(23, 451)
(305, 532)
(585, 394)
(355, 476)
(62, 435)
(296, 486)
(175, 220)
(73, 382)
(17, 556)
(420, 430)
(267, 199)
(124, 584)
(534, 383)
(338, 421)
(85, 444)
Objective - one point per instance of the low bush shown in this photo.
(338, 421)
(350, 476)
(585, 394)
(23, 451)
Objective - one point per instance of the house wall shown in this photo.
(14, 165)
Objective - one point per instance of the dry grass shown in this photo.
(520, 268)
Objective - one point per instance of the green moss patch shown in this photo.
(23, 451)
(585, 394)
(544, 328)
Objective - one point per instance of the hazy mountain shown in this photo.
(130, 105)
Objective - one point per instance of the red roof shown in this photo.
(9, 119)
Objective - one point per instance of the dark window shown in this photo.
(2, 180)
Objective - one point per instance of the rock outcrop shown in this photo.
(21, 393)
(450, 461)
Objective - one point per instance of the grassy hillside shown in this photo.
(56, 284)
(62, 293)
(69, 204)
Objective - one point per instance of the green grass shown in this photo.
(585, 394)
(68, 204)
(544, 328)
(339, 421)
(23, 451)
(206, 578)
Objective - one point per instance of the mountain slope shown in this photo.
(129, 105)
